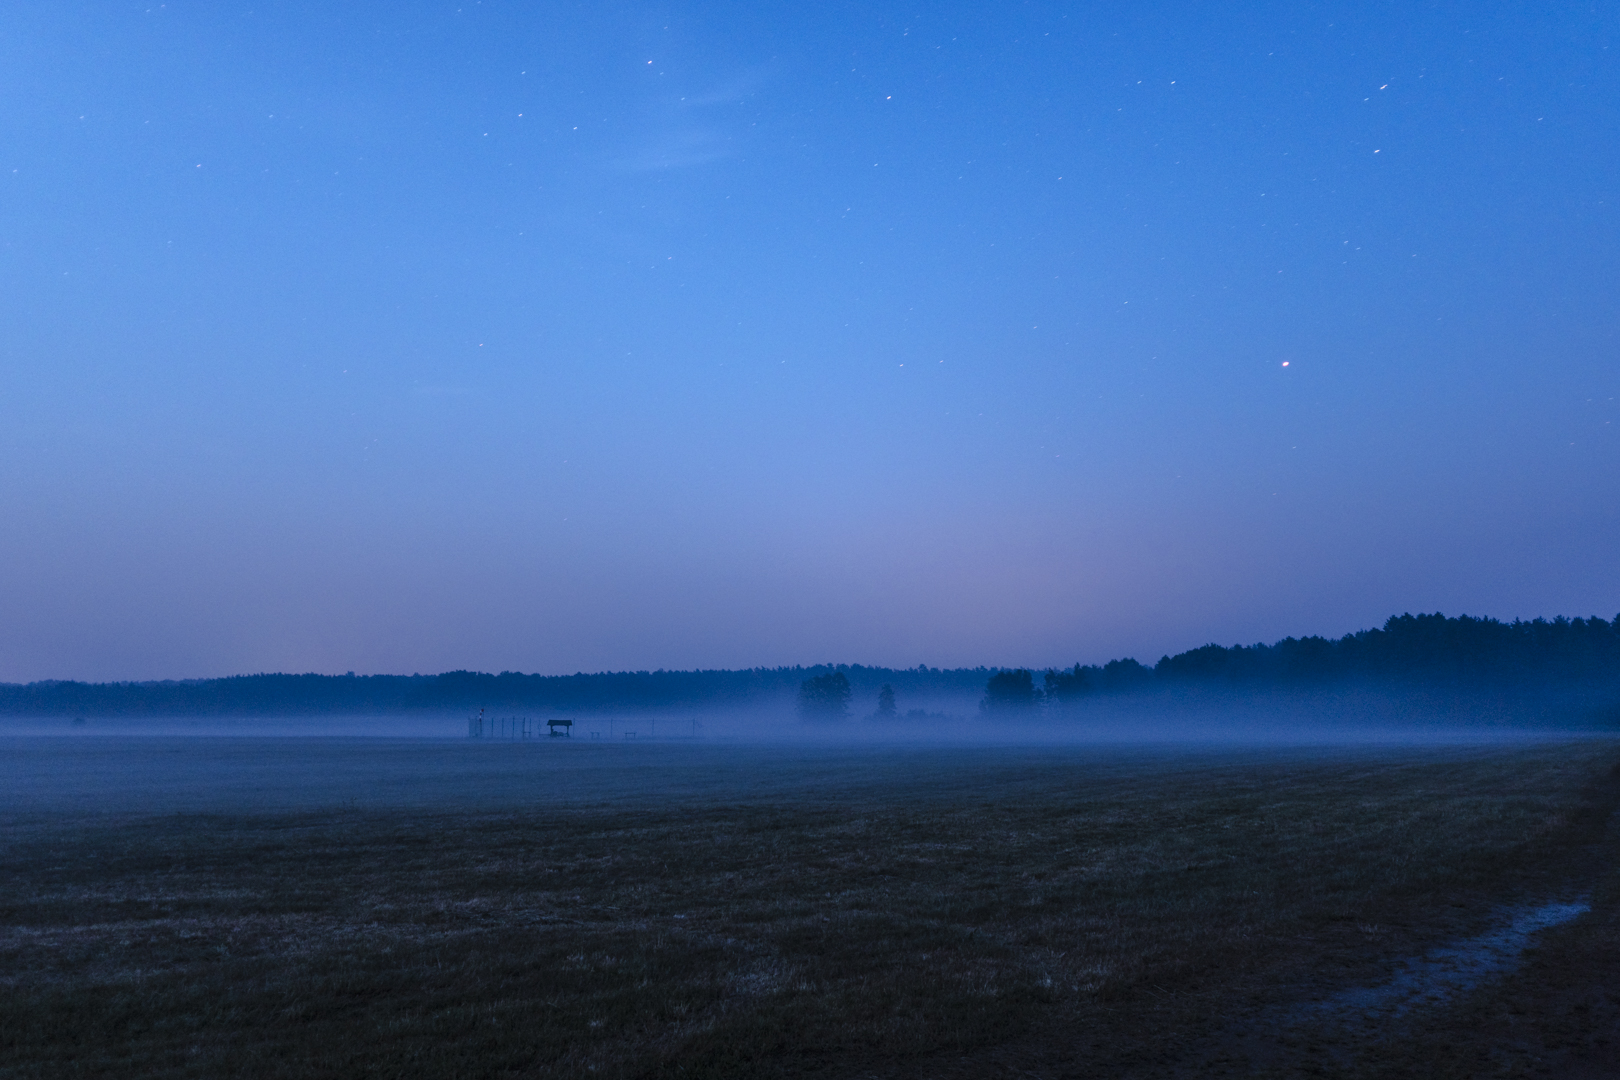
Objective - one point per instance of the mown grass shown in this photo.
(1066, 919)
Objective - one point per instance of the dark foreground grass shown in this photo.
(1133, 918)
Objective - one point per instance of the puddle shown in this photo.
(1340, 1029)
(1443, 973)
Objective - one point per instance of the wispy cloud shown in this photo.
(677, 149)
(730, 92)
(684, 131)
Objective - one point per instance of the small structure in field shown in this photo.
(508, 728)
(567, 727)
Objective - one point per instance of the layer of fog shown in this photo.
(120, 774)
(1292, 716)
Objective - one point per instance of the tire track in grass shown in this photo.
(1334, 1035)
(1439, 975)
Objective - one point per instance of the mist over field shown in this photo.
(1377, 714)
(1417, 676)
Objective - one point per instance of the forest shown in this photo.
(1413, 650)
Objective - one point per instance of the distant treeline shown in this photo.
(1409, 648)
(1427, 649)
(298, 695)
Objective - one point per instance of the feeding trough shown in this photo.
(561, 728)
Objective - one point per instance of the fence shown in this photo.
(511, 728)
(520, 728)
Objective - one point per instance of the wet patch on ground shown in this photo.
(1363, 1029)
(1442, 974)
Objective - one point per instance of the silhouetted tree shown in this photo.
(886, 709)
(1010, 692)
(1066, 687)
(824, 697)
(1124, 674)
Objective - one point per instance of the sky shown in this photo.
(417, 336)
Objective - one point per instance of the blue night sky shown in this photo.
(414, 336)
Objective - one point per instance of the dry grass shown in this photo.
(1062, 918)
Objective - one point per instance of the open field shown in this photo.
(306, 907)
